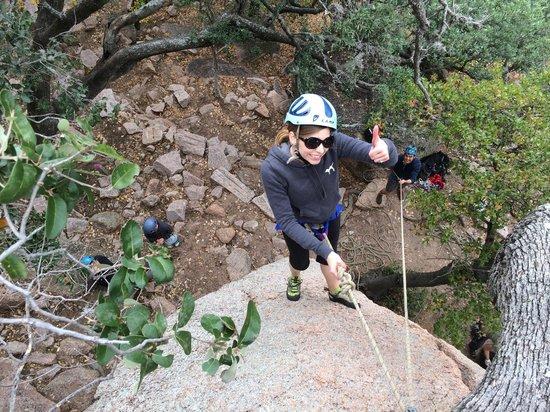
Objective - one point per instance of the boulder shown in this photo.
(195, 193)
(7, 368)
(109, 221)
(28, 398)
(68, 382)
(367, 198)
(251, 226)
(190, 179)
(161, 304)
(169, 164)
(190, 143)
(10, 300)
(108, 97)
(207, 108)
(262, 110)
(263, 204)
(225, 234)
(238, 263)
(233, 184)
(71, 348)
(152, 134)
(216, 154)
(175, 212)
(131, 128)
(341, 373)
(216, 210)
(150, 200)
(75, 226)
(88, 58)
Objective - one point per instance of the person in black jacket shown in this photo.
(157, 231)
(99, 268)
(405, 172)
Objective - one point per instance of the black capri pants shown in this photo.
(299, 257)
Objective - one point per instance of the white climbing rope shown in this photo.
(347, 285)
(405, 301)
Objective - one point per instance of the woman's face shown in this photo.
(313, 156)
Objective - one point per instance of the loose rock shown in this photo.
(215, 210)
(175, 212)
(109, 221)
(225, 234)
(169, 164)
(68, 382)
(195, 193)
(233, 184)
(239, 264)
(190, 143)
(151, 135)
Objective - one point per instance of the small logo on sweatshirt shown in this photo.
(330, 168)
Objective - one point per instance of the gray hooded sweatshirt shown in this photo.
(301, 192)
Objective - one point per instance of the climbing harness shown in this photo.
(347, 285)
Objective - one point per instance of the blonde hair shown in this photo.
(283, 133)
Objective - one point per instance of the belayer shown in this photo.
(404, 173)
(301, 179)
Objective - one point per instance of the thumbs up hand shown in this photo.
(379, 150)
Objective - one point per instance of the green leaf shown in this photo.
(108, 151)
(107, 313)
(21, 125)
(150, 331)
(15, 267)
(115, 284)
(164, 361)
(124, 175)
(20, 182)
(147, 367)
(212, 323)
(63, 125)
(183, 337)
(56, 216)
(229, 374)
(228, 323)
(136, 357)
(140, 278)
(211, 366)
(251, 326)
(160, 323)
(46, 151)
(162, 268)
(132, 240)
(104, 354)
(136, 317)
(130, 263)
(186, 310)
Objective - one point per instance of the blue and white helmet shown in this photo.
(312, 110)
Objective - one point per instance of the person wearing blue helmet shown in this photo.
(160, 232)
(404, 173)
(301, 179)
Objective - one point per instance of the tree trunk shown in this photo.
(519, 378)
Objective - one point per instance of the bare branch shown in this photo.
(148, 9)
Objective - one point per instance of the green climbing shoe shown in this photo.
(342, 298)
(293, 288)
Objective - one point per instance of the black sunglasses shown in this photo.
(314, 142)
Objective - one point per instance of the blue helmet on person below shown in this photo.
(312, 110)
(410, 150)
(86, 260)
(150, 225)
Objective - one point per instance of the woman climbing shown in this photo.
(301, 180)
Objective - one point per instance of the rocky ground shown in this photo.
(199, 154)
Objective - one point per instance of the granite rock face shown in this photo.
(310, 355)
